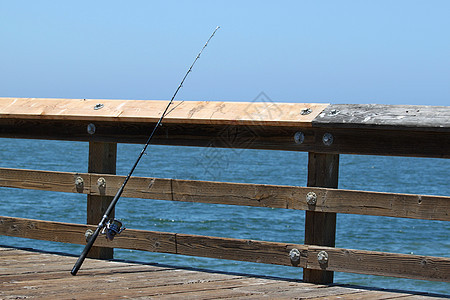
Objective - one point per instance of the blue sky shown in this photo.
(388, 52)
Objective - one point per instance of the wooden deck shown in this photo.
(28, 274)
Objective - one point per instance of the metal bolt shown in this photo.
(101, 183)
(327, 139)
(306, 111)
(98, 106)
(322, 257)
(334, 112)
(294, 255)
(299, 137)
(88, 234)
(79, 182)
(91, 128)
(311, 198)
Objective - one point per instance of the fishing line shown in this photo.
(112, 227)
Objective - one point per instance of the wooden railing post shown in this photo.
(102, 159)
(320, 227)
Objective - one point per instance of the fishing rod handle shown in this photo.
(100, 226)
(85, 252)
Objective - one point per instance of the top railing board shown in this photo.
(412, 117)
(183, 112)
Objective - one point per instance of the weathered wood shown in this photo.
(343, 260)
(375, 130)
(346, 141)
(237, 249)
(272, 290)
(381, 263)
(398, 117)
(74, 234)
(208, 135)
(134, 280)
(243, 250)
(258, 195)
(383, 142)
(102, 159)
(363, 295)
(43, 180)
(320, 227)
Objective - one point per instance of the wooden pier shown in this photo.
(324, 131)
(26, 274)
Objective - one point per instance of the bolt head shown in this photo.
(334, 112)
(294, 255)
(88, 234)
(306, 111)
(101, 182)
(322, 257)
(299, 137)
(91, 128)
(327, 139)
(79, 181)
(98, 106)
(311, 198)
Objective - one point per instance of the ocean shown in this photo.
(374, 173)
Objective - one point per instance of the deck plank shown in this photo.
(36, 274)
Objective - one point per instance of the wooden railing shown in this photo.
(323, 130)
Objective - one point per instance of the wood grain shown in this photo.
(190, 112)
(102, 159)
(381, 263)
(367, 141)
(257, 195)
(75, 234)
(384, 142)
(343, 260)
(398, 117)
(320, 227)
(100, 279)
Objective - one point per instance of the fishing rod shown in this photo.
(111, 227)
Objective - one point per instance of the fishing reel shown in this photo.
(112, 228)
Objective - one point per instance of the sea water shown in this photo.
(374, 173)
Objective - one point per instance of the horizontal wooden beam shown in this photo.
(258, 195)
(421, 131)
(149, 111)
(343, 260)
(75, 234)
(344, 140)
(380, 142)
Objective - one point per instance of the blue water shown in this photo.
(385, 174)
